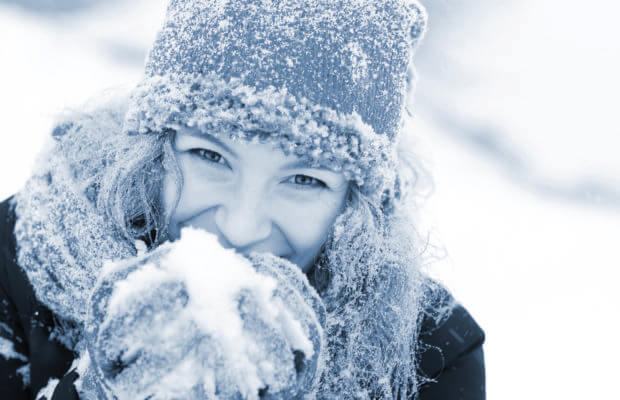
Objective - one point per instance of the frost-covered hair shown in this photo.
(129, 191)
(370, 279)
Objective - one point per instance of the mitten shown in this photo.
(192, 320)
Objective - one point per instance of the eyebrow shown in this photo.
(305, 164)
(212, 139)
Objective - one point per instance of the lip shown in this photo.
(285, 256)
(188, 223)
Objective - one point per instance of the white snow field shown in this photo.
(517, 102)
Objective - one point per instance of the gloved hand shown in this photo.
(192, 320)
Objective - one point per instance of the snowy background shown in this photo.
(517, 103)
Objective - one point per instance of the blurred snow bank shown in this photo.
(531, 85)
(47, 6)
(522, 95)
(51, 62)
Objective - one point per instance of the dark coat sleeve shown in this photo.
(14, 362)
(452, 358)
(25, 326)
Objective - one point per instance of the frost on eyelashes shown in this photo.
(193, 320)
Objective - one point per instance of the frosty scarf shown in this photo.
(62, 241)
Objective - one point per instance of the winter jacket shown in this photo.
(31, 355)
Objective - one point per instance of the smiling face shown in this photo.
(253, 196)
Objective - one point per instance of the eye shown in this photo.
(308, 181)
(208, 155)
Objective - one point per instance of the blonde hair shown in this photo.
(371, 279)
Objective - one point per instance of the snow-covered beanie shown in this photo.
(326, 79)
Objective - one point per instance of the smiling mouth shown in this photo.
(287, 257)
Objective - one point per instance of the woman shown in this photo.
(273, 125)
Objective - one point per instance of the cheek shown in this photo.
(171, 200)
(307, 225)
(169, 192)
(193, 196)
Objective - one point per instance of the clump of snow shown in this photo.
(7, 350)
(24, 373)
(6, 328)
(48, 391)
(193, 320)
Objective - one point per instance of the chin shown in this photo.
(174, 231)
(303, 266)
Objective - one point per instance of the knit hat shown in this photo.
(326, 79)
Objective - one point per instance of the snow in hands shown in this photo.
(193, 320)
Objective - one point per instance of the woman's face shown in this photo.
(253, 196)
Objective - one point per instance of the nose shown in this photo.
(242, 222)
